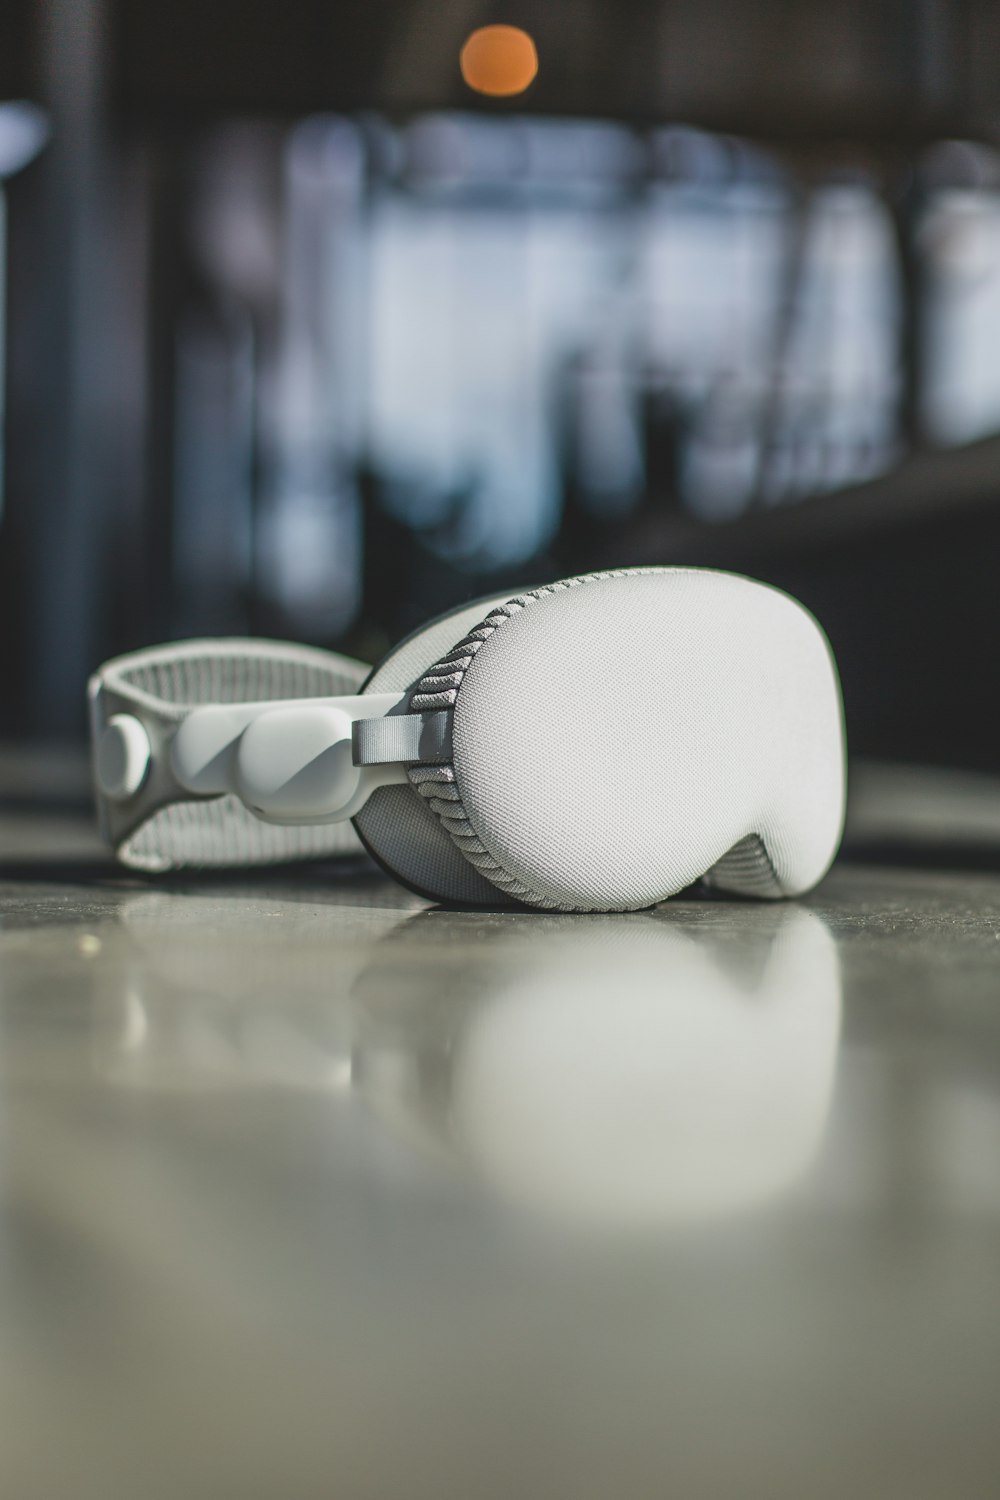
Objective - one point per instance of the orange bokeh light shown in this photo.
(499, 60)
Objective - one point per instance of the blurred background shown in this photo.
(303, 335)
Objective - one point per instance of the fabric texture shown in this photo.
(620, 735)
(414, 737)
(163, 826)
(398, 828)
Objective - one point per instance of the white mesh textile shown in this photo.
(163, 827)
(619, 736)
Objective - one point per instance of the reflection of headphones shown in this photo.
(193, 1006)
(617, 1071)
(645, 1070)
(596, 745)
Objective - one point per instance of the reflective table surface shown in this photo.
(310, 1190)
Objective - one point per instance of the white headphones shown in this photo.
(594, 745)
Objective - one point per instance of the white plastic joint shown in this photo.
(122, 758)
(289, 762)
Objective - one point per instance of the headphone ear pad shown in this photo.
(399, 829)
(619, 736)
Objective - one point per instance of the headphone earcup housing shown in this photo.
(620, 736)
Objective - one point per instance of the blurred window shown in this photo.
(487, 321)
(960, 239)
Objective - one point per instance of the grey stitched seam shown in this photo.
(486, 863)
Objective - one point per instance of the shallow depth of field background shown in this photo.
(305, 338)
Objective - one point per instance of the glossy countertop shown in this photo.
(308, 1189)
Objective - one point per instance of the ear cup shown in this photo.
(618, 736)
(156, 830)
(399, 829)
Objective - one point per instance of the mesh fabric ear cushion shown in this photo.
(398, 828)
(616, 737)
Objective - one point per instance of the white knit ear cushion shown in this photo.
(719, 671)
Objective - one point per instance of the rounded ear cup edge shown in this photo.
(439, 688)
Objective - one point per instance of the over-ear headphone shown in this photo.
(595, 745)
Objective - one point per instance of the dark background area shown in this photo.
(305, 339)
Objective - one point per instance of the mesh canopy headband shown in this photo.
(162, 826)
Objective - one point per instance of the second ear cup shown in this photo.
(161, 827)
(396, 826)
